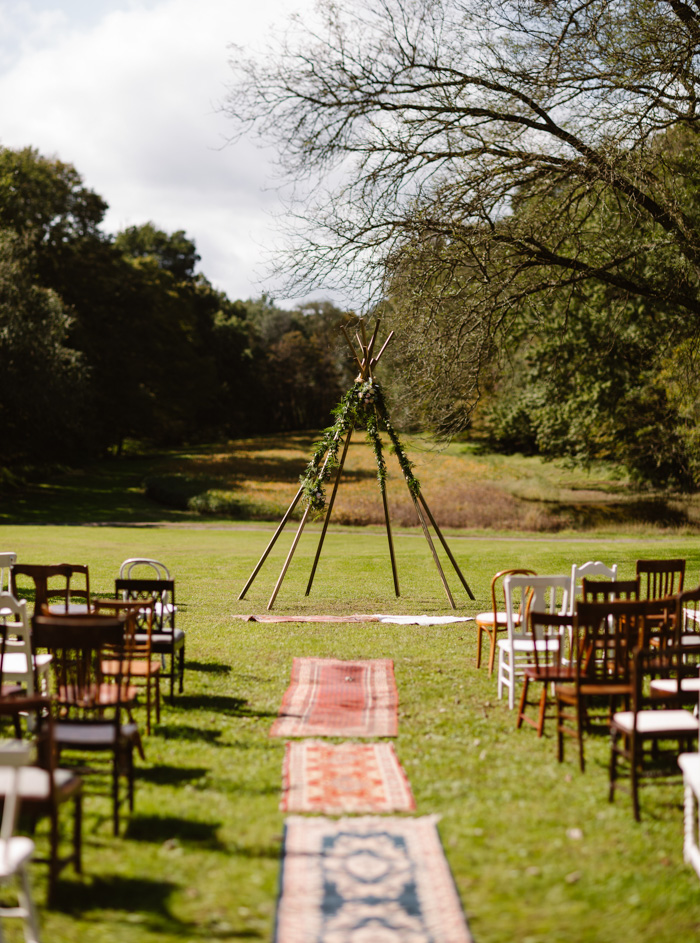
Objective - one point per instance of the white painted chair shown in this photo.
(542, 594)
(19, 665)
(690, 766)
(16, 850)
(590, 569)
(7, 559)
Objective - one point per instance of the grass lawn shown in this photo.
(536, 851)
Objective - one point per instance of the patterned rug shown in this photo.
(345, 777)
(331, 698)
(370, 879)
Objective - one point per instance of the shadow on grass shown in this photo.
(120, 893)
(218, 703)
(186, 733)
(214, 668)
(171, 775)
(172, 829)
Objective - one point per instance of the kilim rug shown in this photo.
(331, 698)
(344, 777)
(367, 879)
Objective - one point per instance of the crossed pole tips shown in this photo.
(366, 361)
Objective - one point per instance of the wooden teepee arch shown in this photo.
(365, 396)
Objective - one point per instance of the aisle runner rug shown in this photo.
(345, 777)
(331, 698)
(396, 620)
(367, 879)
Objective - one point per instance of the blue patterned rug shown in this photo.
(367, 880)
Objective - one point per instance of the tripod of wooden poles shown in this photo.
(366, 361)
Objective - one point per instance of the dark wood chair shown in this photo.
(494, 621)
(647, 720)
(549, 665)
(43, 787)
(166, 640)
(660, 578)
(608, 590)
(91, 708)
(56, 587)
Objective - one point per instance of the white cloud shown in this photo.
(130, 97)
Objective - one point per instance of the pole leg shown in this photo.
(391, 543)
(269, 547)
(447, 549)
(426, 532)
(289, 558)
(329, 510)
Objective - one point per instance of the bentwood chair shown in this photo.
(16, 850)
(91, 708)
(494, 621)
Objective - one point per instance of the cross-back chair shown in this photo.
(495, 621)
(166, 639)
(91, 710)
(647, 721)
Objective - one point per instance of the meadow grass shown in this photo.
(199, 858)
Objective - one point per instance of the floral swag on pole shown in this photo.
(362, 405)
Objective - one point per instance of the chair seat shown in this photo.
(33, 783)
(591, 690)
(690, 765)
(529, 645)
(664, 687)
(486, 618)
(15, 852)
(671, 722)
(549, 672)
(106, 695)
(138, 668)
(162, 641)
(15, 663)
(92, 735)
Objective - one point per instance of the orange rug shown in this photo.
(345, 777)
(331, 698)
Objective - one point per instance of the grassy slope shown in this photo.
(199, 859)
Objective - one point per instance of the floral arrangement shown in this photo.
(362, 405)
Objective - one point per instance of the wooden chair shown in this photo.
(582, 571)
(144, 670)
(646, 721)
(494, 621)
(43, 788)
(90, 718)
(541, 594)
(16, 850)
(659, 578)
(609, 590)
(20, 667)
(549, 664)
(604, 634)
(52, 586)
(166, 640)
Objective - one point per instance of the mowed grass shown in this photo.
(536, 850)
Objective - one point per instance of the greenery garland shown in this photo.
(362, 405)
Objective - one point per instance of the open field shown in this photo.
(256, 479)
(199, 858)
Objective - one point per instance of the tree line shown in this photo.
(105, 339)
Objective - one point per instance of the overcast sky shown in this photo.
(128, 91)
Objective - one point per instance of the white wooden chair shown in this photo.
(541, 594)
(19, 665)
(589, 569)
(16, 850)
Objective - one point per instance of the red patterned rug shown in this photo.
(344, 777)
(371, 879)
(331, 698)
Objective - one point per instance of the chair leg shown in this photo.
(157, 682)
(492, 651)
(479, 633)
(78, 834)
(31, 924)
(523, 703)
(182, 668)
(580, 714)
(54, 861)
(614, 735)
(116, 763)
(543, 709)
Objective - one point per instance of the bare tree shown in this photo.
(468, 158)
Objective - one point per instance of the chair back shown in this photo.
(688, 616)
(540, 593)
(7, 559)
(51, 584)
(587, 570)
(671, 665)
(76, 644)
(17, 638)
(145, 568)
(14, 754)
(608, 590)
(144, 590)
(659, 578)
(500, 577)
(548, 627)
(138, 624)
